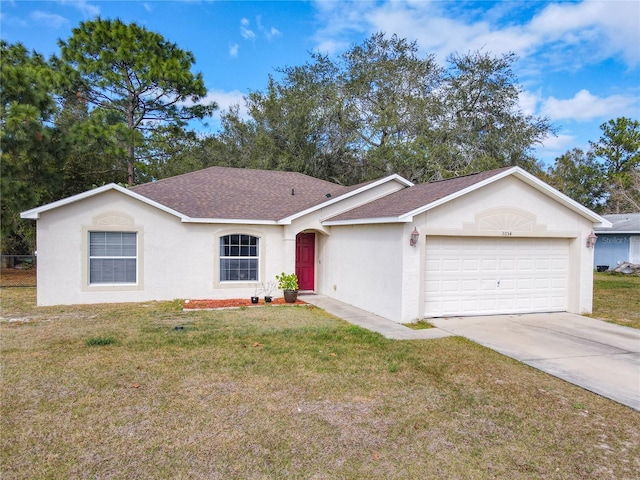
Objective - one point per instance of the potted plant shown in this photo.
(268, 288)
(289, 284)
(255, 297)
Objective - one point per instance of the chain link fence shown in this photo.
(18, 271)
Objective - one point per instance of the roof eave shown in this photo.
(394, 177)
(364, 221)
(409, 215)
(529, 179)
(34, 213)
(235, 221)
(535, 182)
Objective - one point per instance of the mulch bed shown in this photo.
(233, 303)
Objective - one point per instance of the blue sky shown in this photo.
(579, 61)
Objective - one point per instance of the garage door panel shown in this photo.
(488, 285)
(450, 286)
(471, 265)
(475, 276)
(450, 265)
(526, 265)
(525, 283)
(489, 265)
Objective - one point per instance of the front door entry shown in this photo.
(305, 260)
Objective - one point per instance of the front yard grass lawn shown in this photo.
(116, 391)
(616, 298)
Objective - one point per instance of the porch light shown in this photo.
(591, 240)
(413, 240)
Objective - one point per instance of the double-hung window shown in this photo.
(113, 257)
(239, 258)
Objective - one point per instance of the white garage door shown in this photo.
(484, 276)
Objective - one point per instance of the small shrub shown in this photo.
(100, 341)
(287, 282)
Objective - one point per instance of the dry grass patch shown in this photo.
(15, 277)
(616, 298)
(284, 393)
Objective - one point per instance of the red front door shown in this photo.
(305, 260)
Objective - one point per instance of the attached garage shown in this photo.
(489, 275)
(493, 243)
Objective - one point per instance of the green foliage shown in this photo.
(136, 75)
(578, 175)
(607, 177)
(382, 108)
(482, 120)
(619, 145)
(26, 107)
(287, 281)
(619, 148)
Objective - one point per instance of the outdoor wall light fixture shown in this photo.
(413, 240)
(591, 240)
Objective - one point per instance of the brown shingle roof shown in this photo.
(236, 193)
(412, 198)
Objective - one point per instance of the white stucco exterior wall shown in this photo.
(175, 259)
(363, 266)
(371, 266)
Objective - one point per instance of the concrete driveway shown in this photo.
(598, 356)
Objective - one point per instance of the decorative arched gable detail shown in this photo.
(113, 219)
(506, 219)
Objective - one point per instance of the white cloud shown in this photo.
(51, 20)
(528, 102)
(558, 143)
(233, 50)
(606, 28)
(554, 146)
(585, 107)
(329, 47)
(225, 100)
(250, 34)
(247, 33)
(597, 29)
(269, 33)
(87, 9)
(272, 33)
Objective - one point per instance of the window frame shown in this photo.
(122, 245)
(221, 257)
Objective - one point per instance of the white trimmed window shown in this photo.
(239, 258)
(113, 257)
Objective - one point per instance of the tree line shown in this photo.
(118, 104)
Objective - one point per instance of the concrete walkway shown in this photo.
(383, 326)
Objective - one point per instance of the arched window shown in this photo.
(239, 258)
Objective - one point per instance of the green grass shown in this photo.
(283, 393)
(616, 298)
(100, 341)
(419, 325)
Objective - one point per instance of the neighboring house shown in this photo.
(496, 242)
(620, 243)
